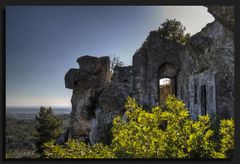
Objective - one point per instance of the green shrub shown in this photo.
(77, 149)
(161, 133)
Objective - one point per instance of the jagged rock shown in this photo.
(93, 65)
(87, 83)
(224, 14)
(110, 104)
(114, 96)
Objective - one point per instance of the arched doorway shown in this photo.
(167, 81)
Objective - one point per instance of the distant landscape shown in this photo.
(30, 112)
(20, 129)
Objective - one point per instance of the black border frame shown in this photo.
(4, 3)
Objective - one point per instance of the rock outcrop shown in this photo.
(87, 83)
(201, 74)
(223, 14)
(110, 104)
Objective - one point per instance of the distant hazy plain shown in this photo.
(35, 110)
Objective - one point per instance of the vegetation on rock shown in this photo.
(115, 61)
(174, 30)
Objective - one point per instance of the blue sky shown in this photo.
(44, 42)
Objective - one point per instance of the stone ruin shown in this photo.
(201, 73)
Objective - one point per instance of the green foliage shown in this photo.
(174, 30)
(77, 149)
(19, 134)
(48, 127)
(168, 133)
(162, 133)
(227, 137)
(21, 153)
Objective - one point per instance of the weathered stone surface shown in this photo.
(209, 60)
(93, 64)
(224, 14)
(87, 83)
(111, 103)
(155, 52)
(114, 96)
(70, 78)
(101, 126)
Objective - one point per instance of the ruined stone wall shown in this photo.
(205, 63)
(155, 52)
(212, 51)
(208, 59)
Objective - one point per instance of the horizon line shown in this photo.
(53, 106)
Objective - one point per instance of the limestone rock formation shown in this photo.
(110, 104)
(87, 83)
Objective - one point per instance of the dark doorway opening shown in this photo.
(203, 100)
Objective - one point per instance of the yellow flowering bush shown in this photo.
(159, 133)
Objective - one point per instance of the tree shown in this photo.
(174, 31)
(48, 127)
(141, 134)
(115, 61)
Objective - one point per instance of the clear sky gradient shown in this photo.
(44, 42)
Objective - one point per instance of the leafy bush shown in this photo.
(161, 133)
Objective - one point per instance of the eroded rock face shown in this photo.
(111, 103)
(224, 14)
(96, 101)
(87, 83)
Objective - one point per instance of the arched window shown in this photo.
(166, 89)
(167, 81)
